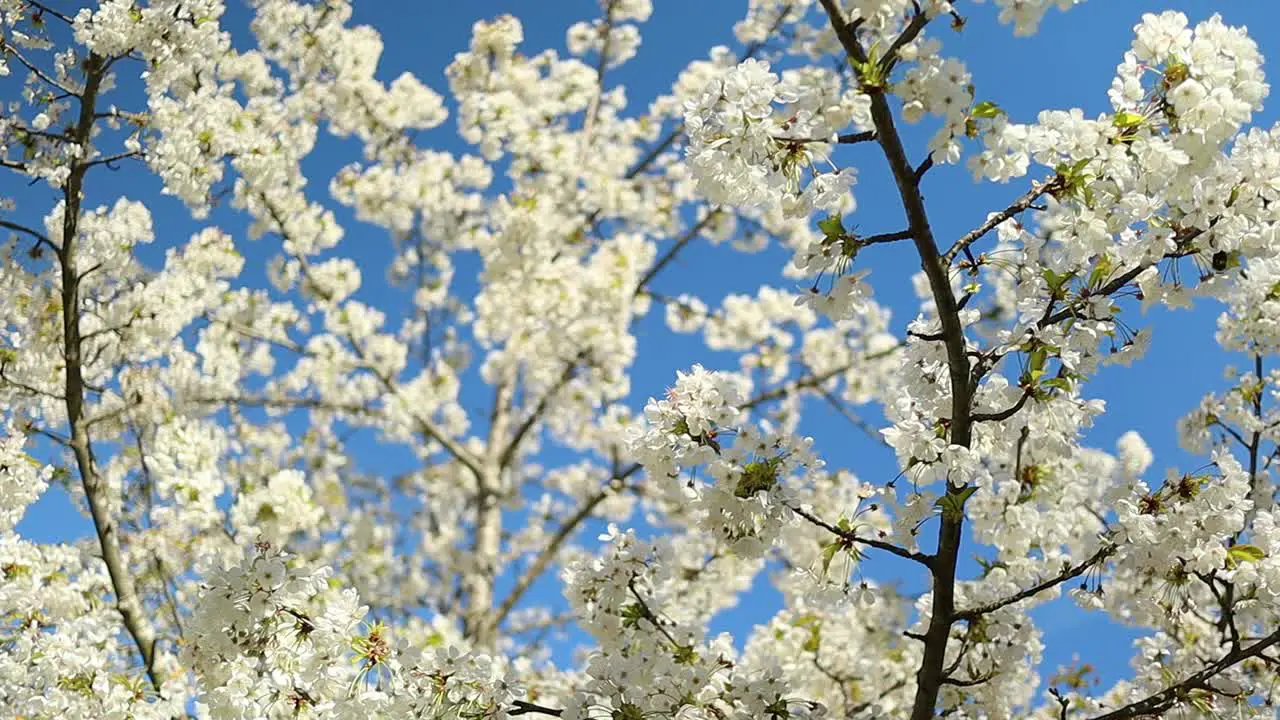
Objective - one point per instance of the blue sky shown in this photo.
(1069, 64)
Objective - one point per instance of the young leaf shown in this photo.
(832, 226)
(1126, 119)
(987, 109)
(829, 553)
(1237, 554)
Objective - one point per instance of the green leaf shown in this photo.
(832, 226)
(813, 624)
(871, 74)
(829, 552)
(1126, 119)
(1237, 554)
(1038, 358)
(757, 476)
(685, 655)
(813, 642)
(1201, 700)
(632, 614)
(1056, 281)
(1101, 271)
(987, 109)
(952, 504)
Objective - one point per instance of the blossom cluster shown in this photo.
(326, 477)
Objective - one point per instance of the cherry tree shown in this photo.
(244, 565)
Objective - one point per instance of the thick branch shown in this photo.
(909, 33)
(858, 137)
(44, 8)
(95, 489)
(929, 678)
(885, 237)
(846, 139)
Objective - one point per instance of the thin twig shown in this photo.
(1018, 206)
(527, 708)
(884, 238)
(926, 560)
(1074, 571)
(549, 551)
(1157, 703)
(1006, 413)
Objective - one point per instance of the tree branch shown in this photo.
(549, 552)
(1157, 703)
(528, 708)
(943, 566)
(1075, 571)
(425, 426)
(888, 547)
(665, 144)
(809, 382)
(1003, 414)
(1020, 205)
(883, 238)
(513, 445)
(672, 251)
(10, 49)
(41, 238)
(127, 601)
